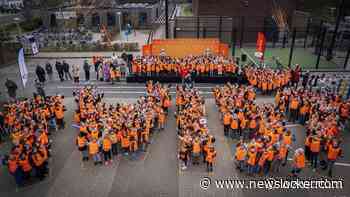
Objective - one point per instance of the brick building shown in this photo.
(254, 11)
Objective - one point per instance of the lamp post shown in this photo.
(120, 25)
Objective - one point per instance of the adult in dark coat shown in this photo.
(306, 77)
(59, 69)
(49, 71)
(40, 73)
(86, 68)
(11, 88)
(67, 74)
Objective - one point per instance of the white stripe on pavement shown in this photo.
(118, 87)
(133, 92)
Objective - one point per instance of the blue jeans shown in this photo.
(52, 123)
(96, 157)
(251, 169)
(241, 165)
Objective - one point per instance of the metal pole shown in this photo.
(166, 20)
(204, 32)
(197, 26)
(220, 27)
(233, 41)
(242, 32)
(334, 37)
(292, 48)
(319, 34)
(347, 58)
(120, 25)
(321, 47)
(284, 39)
(175, 27)
(307, 32)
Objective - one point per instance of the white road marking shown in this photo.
(119, 87)
(133, 92)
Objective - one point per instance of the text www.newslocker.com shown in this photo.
(271, 184)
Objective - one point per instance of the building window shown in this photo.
(143, 18)
(111, 19)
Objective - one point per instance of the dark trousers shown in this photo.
(60, 123)
(267, 167)
(107, 155)
(76, 79)
(307, 153)
(226, 130)
(115, 149)
(210, 167)
(330, 164)
(67, 75)
(87, 75)
(314, 159)
(60, 75)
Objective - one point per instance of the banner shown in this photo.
(35, 49)
(260, 45)
(22, 67)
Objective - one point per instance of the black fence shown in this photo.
(315, 44)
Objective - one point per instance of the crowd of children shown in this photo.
(266, 79)
(195, 141)
(202, 65)
(28, 123)
(107, 130)
(263, 140)
(324, 115)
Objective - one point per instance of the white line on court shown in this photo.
(249, 56)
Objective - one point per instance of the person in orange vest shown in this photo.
(94, 146)
(183, 156)
(251, 160)
(240, 156)
(107, 149)
(25, 166)
(287, 139)
(270, 155)
(315, 148)
(39, 159)
(282, 156)
(298, 162)
(234, 127)
(294, 105)
(196, 151)
(114, 140)
(210, 158)
(307, 147)
(15, 170)
(333, 153)
(161, 120)
(227, 122)
(81, 142)
(59, 113)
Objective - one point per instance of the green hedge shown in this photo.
(129, 47)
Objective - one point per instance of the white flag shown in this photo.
(35, 49)
(22, 67)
